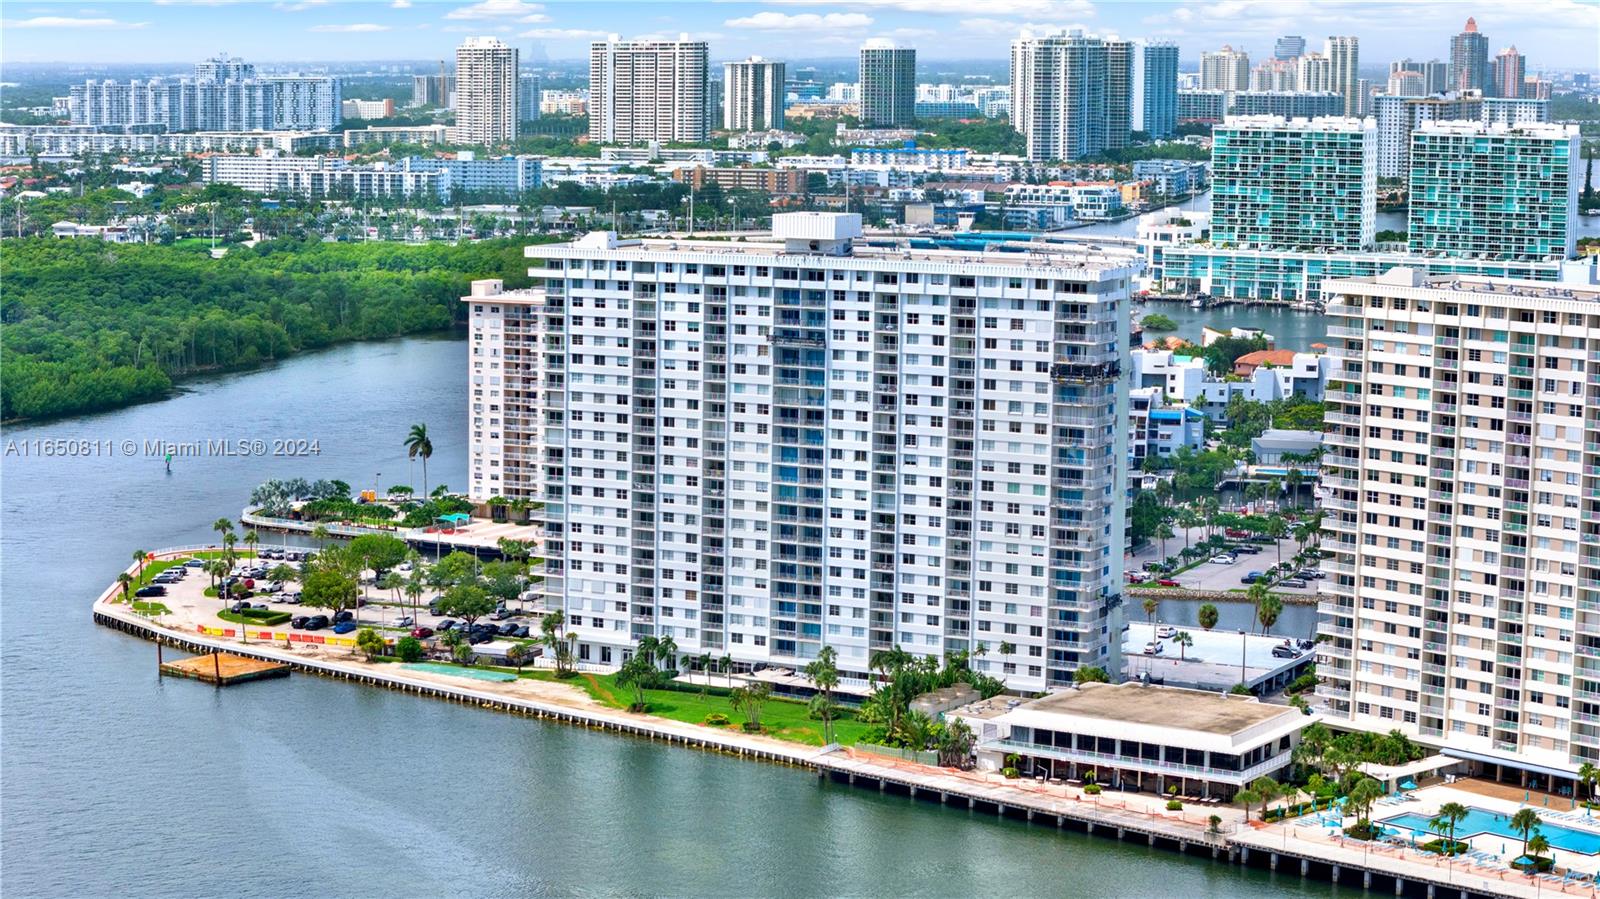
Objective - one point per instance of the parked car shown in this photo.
(151, 590)
(298, 622)
(345, 615)
(1292, 582)
(195, 563)
(1236, 533)
(1167, 582)
(292, 599)
(422, 633)
(404, 621)
(1153, 648)
(1251, 578)
(502, 613)
(508, 629)
(1223, 559)
(1285, 652)
(1246, 548)
(1310, 574)
(344, 627)
(238, 607)
(1166, 631)
(272, 587)
(522, 632)
(316, 622)
(447, 624)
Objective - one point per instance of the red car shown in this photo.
(1167, 582)
(422, 633)
(1236, 533)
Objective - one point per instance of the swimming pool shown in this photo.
(1479, 821)
(474, 673)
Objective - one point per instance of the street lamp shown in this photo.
(1244, 639)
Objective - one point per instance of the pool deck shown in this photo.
(1293, 841)
(1125, 816)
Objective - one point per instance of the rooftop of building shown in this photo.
(1321, 124)
(1541, 130)
(1581, 282)
(1219, 714)
(1265, 357)
(1018, 254)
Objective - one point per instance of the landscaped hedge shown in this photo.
(266, 617)
(1295, 811)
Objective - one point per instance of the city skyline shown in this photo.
(326, 30)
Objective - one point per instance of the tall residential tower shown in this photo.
(486, 92)
(752, 95)
(761, 449)
(648, 90)
(888, 82)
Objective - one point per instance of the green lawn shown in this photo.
(785, 719)
(150, 608)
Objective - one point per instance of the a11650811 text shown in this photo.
(155, 448)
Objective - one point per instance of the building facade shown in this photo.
(1344, 61)
(1224, 70)
(1059, 95)
(207, 103)
(1282, 183)
(1155, 88)
(648, 90)
(1288, 104)
(1459, 606)
(324, 176)
(486, 92)
(1469, 60)
(530, 91)
(752, 95)
(1289, 46)
(761, 449)
(1508, 70)
(888, 79)
(1494, 191)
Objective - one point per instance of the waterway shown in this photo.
(117, 783)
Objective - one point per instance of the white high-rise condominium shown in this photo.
(1461, 463)
(1225, 70)
(486, 92)
(760, 449)
(888, 80)
(1060, 95)
(1313, 72)
(752, 95)
(648, 90)
(1344, 59)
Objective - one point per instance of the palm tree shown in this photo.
(139, 557)
(1247, 797)
(1184, 641)
(1150, 606)
(648, 647)
(320, 533)
(824, 673)
(1267, 789)
(1276, 529)
(1007, 649)
(1588, 774)
(1537, 847)
(252, 540)
(222, 526)
(1163, 533)
(1208, 616)
(1451, 814)
(418, 445)
(1525, 822)
(125, 580)
(667, 651)
(1366, 791)
(726, 663)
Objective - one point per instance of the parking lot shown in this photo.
(380, 609)
(1213, 576)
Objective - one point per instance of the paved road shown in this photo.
(1211, 576)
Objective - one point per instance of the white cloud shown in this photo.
(301, 6)
(400, 4)
(66, 22)
(357, 28)
(777, 21)
(962, 7)
(196, 2)
(557, 34)
(499, 9)
(1008, 27)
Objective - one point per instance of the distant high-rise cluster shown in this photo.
(1075, 95)
(486, 92)
(1225, 70)
(649, 90)
(225, 94)
(752, 95)
(1469, 59)
(888, 79)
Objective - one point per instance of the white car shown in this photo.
(1166, 631)
(273, 587)
(1153, 648)
(1223, 559)
(404, 621)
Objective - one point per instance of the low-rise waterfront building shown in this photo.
(1173, 177)
(1139, 737)
(772, 181)
(397, 134)
(910, 155)
(324, 176)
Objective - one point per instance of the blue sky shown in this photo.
(1551, 33)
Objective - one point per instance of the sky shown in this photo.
(1554, 34)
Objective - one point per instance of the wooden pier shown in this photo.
(225, 669)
